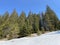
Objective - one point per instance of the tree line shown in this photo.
(15, 26)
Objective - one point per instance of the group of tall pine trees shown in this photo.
(15, 26)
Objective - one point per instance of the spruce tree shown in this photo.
(36, 22)
(22, 24)
(5, 24)
(13, 25)
(53, 17)
(31, 20)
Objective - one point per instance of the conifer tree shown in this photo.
(13, 25)
(22, 24)
(31, 20)
(51, 18)
(36, 22)
(5, 24)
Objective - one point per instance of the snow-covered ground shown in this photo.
(52, 38)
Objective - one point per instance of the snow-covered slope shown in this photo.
(52, 38)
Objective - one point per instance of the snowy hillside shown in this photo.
(52, 38)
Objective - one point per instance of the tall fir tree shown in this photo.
(53, 17)
(21, 23)
(31, 20)
(13, 25)
(36, 18)
(5, 24)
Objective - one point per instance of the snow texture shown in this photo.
(52, 38)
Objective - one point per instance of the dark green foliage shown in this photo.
(36, 22)
(50, 20)
(14, 26)
(13, 17)
(31, 20)
(58, 25)
(22, 25)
